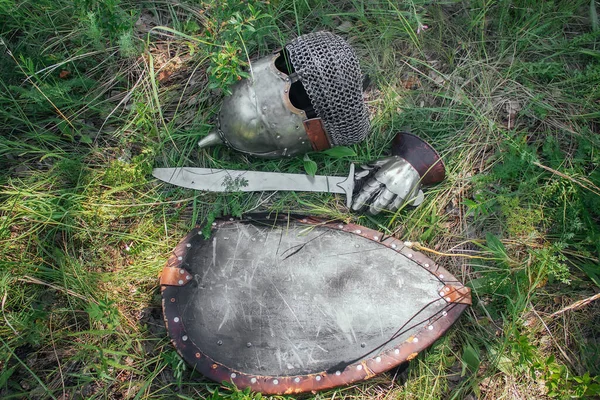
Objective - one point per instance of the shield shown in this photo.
(296, 304)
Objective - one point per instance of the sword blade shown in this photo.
(226, 180)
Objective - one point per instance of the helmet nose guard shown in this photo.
(307, 97)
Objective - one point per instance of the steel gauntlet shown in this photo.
(391, 182)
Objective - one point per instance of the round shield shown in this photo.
(289, 305)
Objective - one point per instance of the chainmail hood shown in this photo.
(329, 71)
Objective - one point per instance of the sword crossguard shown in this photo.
(347, 185)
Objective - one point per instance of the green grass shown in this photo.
(95, 93)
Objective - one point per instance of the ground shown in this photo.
(95, 93)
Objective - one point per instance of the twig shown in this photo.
(4, 315)
(62, 378)
(576, 305)
(592, 188)
(29, 279)
(417, 246)
(564, 353)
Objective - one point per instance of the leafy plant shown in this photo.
(104, 313)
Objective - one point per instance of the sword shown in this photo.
(227, 180)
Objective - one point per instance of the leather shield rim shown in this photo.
(457, 297)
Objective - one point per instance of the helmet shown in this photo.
(306, 97)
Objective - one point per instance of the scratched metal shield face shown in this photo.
(299, 304)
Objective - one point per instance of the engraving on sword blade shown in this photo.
(234, 184)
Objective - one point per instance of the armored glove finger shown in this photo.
(369, 190)
(367, 171)
(382, 201)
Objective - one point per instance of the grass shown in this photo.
(94, 93)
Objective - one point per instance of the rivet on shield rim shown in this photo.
(359, 367)
(430, 327)
(415, 340)
(219, 342)
(444, 313)
(296, 379)
(341, 226)
(176, 319)
(409, 255)
(233, 375)
(441, 276)
(441, 293)
(318, 377)
(198, 355)
(378, 359)
(426, 265)
(253, 380)
(182, 271)
(214, 224)
(184, 338)
(180, 258)
(275, 381)
(358, 231)
(396, 351)
(375, 237)
(180, 282)
(394, 246)
(448, 299)
(172, 299)
(188, 277)
(338, 373)
(188, 245)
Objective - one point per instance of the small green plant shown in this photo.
(104, 314)
(177, 365)
(232, 36)
(561, 384)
